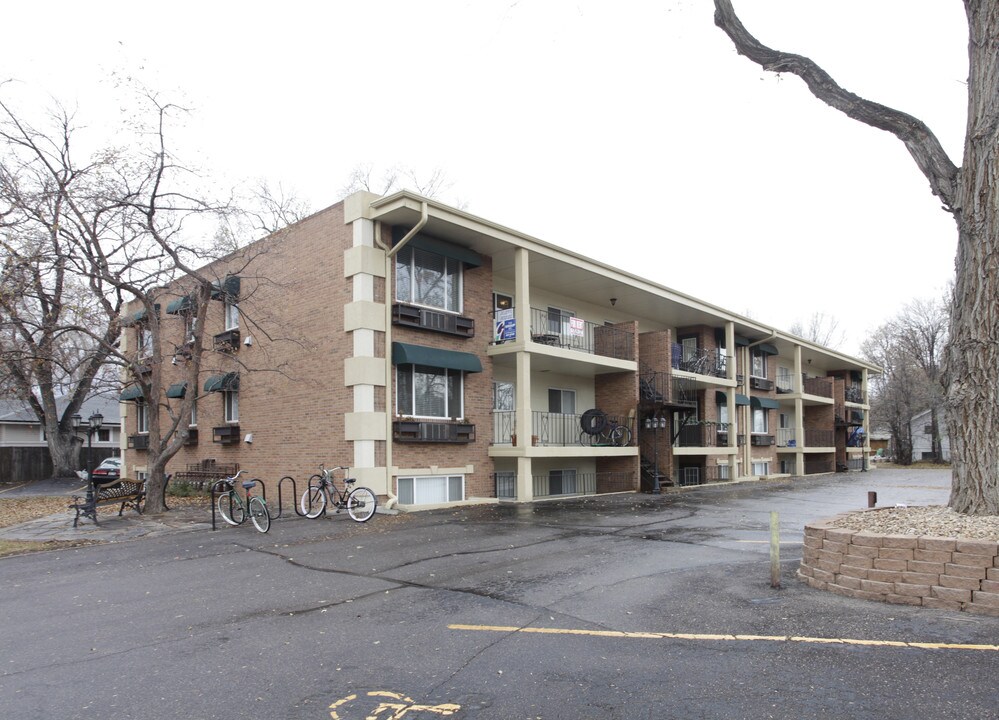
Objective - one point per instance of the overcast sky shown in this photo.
(628, 131)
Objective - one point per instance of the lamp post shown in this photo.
(94, 423)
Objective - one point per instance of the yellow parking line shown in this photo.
(741, 638)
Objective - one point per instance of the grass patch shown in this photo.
(9, 548)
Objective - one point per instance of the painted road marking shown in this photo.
(741, 638)
(399, 709)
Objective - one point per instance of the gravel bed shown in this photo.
(933, 520)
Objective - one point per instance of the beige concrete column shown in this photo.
(799, 414)
(522, 424)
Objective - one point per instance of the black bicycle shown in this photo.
(360, 502)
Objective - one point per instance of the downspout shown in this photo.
(390, 253)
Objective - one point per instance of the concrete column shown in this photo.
(799, 414)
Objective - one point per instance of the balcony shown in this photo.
(854, 394)
(572, 333)
(433, 431)
(814, 467)
(554, 430)
(435, 320)
(665, 389)
(786, 438)
(699, 361)
(819, 386)
(702, 435)
(820, 438)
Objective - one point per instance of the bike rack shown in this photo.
(216, 491)
(294, 494)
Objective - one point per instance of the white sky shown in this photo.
(628, 131)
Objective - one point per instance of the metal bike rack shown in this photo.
(215, 494)
(294, 494)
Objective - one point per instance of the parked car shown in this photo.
(109, 469)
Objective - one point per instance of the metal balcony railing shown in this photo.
(813, 467)
(854, 394)
(706, 434)
(699, 361)
(557, 329)
(786, 437)
(663, 388)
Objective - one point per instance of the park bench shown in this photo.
(125, 492)
(204, 473)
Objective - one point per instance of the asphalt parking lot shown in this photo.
(626, 606)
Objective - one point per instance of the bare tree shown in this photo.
(820, 328)
(129, 224)
(971, 194)
(921, 332)
(432, 185)
(57, 330)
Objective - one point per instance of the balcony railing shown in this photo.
(564, 484)
(813, 467)
(572, 333)
(785, 383)
(786, 438)
(700, 475)
(708, 434)
(699, 361)
(820, 438)
(551, 429)
(854, 394)
(663, 388)
(433, 431)
(818, 386)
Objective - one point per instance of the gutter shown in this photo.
(390, 252)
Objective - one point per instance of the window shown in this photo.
(562, 482)
(503, 396)
(558, 320)
(785, 382)
(141, 417)
(104, 435)
(192, 324)
(761, 468)
(723, 420)
(761, 419)
(194, 414)
(502, 302)
(423, 391)
(431, 489)
(427, 278)
(562, 401)
(689, 345)
(144, 339)
(723, 472)
(231, 399)
(759, 363)
(231, 316)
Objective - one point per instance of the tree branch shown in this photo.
(921, 143)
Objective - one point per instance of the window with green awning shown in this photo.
(407, 354)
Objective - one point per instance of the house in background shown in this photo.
(446, 358)
(24, 453)
(922, 438)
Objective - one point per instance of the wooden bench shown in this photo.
(125, 492)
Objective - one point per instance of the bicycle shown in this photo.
(359, 502)
(612, 433)
(232, 508)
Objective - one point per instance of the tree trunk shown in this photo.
(972, 356)
(64, 449)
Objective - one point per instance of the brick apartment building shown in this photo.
(446, 358)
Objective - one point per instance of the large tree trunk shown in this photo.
(64, 449)
(972, 357)
(971, 193)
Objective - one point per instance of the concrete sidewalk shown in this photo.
(111, 528)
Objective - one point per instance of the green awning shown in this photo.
(722, 398)
(229, 382)
(406, 354)
(227, 289)
(177, 390)
(180, 305)
(441, 247)
(767, 348)
(131, 393)
(766, 403)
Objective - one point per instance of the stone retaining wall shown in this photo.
(934, 572)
